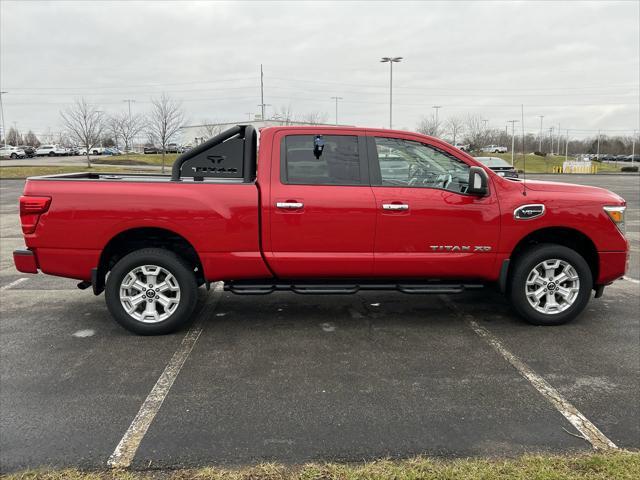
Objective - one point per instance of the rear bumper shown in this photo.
(25, 261)
(612, 266)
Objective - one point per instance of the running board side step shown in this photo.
(257, 288)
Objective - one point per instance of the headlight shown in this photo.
(616, 214)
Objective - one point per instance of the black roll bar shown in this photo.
(247, 132)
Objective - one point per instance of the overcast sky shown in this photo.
(575, 63)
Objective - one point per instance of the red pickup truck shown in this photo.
(321, 210)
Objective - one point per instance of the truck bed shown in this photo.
(219, 217)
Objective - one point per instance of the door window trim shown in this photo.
(362, 160)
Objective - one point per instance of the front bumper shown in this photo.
(25, 261)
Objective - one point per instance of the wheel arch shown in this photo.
(565, 236)
(133, 239)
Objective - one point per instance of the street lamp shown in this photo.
(513, 139)
(4, 131)
(391, 61)
(336, 99)
(540, 145)
(436, 108)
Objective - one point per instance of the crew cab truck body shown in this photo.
(326, 210)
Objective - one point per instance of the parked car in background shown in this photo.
(622, 158)
(465, 147)
(51, 150)
(633, 158)
(500, 166)
(111, 151)
(28, 150)
(73, 151)
(172, 148)
(494, 149)
(151, 149)
(9, 151)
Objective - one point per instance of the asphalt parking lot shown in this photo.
(296, 378)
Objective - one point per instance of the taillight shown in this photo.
(30, 210)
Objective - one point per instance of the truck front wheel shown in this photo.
(151, 292)
(551, 284)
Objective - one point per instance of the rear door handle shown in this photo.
(395, 206)
(290, 205)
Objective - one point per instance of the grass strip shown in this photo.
(619, 465)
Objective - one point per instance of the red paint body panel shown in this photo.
(612, 266)
(341, 232)
(219, 220)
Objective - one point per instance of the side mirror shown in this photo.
(478, 181)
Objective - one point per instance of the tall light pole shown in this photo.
(551, 141)
(4, 130)
(391, 61)
(513, 139)
(436, 108)
(566, 147)
(540, 146)
(598, 150)
(129, 101)
(262, 105)
(336, 99)
(633, 147)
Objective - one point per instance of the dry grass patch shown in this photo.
(621, 465)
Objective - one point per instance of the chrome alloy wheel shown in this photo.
(552, 286)
(149, 293)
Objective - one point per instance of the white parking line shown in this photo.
(632, 280)
(13, 284)
(126, 450)
(589, 431)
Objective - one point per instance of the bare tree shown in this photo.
(165, 120)
(209, 129)
(454, 128)
(13, 137)
(428, 126)
(476, 133)
(31, 139)
(284, 114)
(85, 124)
(314, 118)
(113, 128)
(125, 127)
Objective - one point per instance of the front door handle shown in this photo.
(290, 205)
(395, 206)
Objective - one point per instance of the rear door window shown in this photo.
(338, 163)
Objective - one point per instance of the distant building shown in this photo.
(197, 134)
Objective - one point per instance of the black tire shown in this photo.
(14, 156)
(52, 154)
(525, 264)
(184, 276)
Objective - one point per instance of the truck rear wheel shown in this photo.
(151, 292)
(551, 285)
